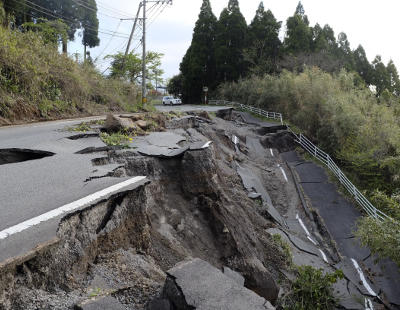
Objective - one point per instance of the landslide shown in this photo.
(39, 83)
(194, 206)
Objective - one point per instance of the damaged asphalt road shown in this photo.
(202, 203)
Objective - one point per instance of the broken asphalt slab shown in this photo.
(254, 186)
(196, 284)
(340, 217)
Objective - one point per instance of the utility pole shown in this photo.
(144, 90)
(133, 30)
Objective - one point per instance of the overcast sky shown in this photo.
(373, 24)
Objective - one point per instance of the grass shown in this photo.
(39, 83)
(116, 139)
(284, 248)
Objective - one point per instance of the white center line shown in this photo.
(272, 152)
(368, 304)
(305, 229)
(67, 208)
(206, 145)
(283, 172)
(323, 255)
(362, 278)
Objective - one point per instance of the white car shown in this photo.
(171, 100)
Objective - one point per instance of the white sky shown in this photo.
(373, 24)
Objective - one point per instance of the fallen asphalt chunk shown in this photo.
(195, 284)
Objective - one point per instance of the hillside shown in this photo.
(39, 83)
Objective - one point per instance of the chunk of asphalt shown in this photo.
(188, 121)
(253, 195)
(236, 276)
(164, 139)
(196, 146)
(351, 274)
(195, 284)
(251, 182)
(161, 152)
(101, 303)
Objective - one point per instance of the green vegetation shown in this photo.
(228, 49)
(381, 237)
(116, 139)
(36, 82)
(283, 248)
(312, 290)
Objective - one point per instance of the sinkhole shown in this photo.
(15, 155)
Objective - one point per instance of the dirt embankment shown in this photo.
(195, 205)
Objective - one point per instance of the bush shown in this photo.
(343, 117)
(383, 238)
(312, 290)
(37, 82)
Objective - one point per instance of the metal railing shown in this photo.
(316, 152)
(271, 115)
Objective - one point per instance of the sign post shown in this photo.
(205, 90)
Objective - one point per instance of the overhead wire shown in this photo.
(94, 10)
(109, 41)
(49, 13)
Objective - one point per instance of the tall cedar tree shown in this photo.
(264, 45)
(90, 25)
(299, 35)
(230, 43)
(198, 65)
(74, 15)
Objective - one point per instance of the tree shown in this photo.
(264, 44)
(298, 33)
(323, 39)
(362, 65)
(90, 25)
(380, 76)
(53, 31)
(130, 67)
(230, 42)
(394, 84)
(198, 64)
(175, 85)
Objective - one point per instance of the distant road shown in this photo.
(189, 107)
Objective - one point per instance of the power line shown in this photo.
(94, 10)
(59, 16)
(119, 24)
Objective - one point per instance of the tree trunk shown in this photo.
(84, 54)
(65, 47)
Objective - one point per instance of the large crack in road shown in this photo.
(218, 202)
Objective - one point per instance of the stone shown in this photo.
(142, 124)
(115, 123)
(184, 122)
(225, 114)
(236, 276)
(195, 284)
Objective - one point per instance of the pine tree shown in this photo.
(394, 84)
(231, 39)
(198, 64)
(90, 25)
(264, 44)
(362, 65)
(298, 37)
(380, 75)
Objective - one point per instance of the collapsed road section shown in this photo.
(220, 223)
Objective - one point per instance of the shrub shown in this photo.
(383, 238)
(312, 290)
(37, 82)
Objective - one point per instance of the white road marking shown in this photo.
(323, 256)
(67, 208)
(368, 304)
(362, 278)
(206, 145)
(305, 229)
(235, 139)
(272, 153)
(283, 172)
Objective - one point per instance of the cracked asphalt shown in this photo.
(340, 217)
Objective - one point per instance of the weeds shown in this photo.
(283, 248)
(116, 139)
(82, 127)
(312, 290)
